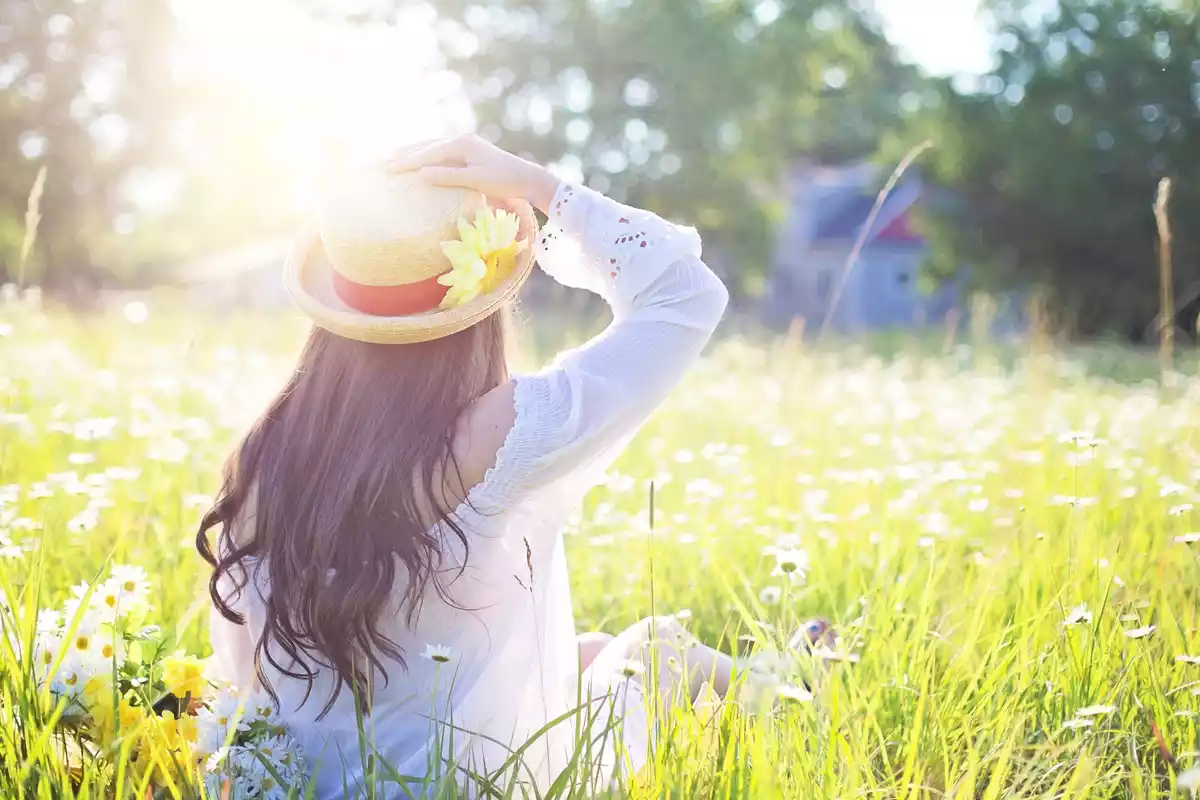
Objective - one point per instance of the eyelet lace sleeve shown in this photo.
(575, 416)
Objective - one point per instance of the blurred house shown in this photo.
(828, 210)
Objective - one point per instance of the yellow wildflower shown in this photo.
(482, 257)
(165, 740)
(183, 675)
(127, 720)
(177, 732)
(97, 692)
(129, 715)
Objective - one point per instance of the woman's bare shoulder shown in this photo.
(481, 433)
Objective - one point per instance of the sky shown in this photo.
(946, 37)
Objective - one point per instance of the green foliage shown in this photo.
(1056, 158)
(955, 514)
(692, 108)
(86, 93)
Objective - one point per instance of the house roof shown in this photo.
(848, 220)
(851, 209)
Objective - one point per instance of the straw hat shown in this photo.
(368, 269)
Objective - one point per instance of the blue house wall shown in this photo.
(828, 210)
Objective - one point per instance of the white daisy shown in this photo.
(437, 653)
(8, 549)
(130, 579)
(1141, 633)
(792, 563)
(793, 694)
(631, 668)
(1078, 614)
(216, 759)
(49, 622)
(1095, 711)
(1079, 723)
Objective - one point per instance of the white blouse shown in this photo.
(510, 630)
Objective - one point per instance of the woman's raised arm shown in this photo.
(572, 418)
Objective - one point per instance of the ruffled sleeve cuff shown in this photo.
(593, 242)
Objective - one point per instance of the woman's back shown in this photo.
(481, 660)
(481, 655)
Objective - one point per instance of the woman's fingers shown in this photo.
(439, 153)
(398, 158)
(458, 177)
(412, 148)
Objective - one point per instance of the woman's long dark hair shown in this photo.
(338, 482)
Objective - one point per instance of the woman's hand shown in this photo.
(470, 162)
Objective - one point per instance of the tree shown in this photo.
(86, 93)
(693, 108)
(1055, 158)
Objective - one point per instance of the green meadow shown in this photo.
(1004, 538)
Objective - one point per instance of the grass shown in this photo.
(957, 510)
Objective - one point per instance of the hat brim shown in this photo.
(308, 277)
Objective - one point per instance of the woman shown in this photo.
(389, 557)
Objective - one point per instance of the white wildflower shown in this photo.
(218, 722)
(123, 473)
(631, 668)
(215, 760)
(170, 450)
(437, 653)
(770, 595)
(1078, 614)
(258, 708)
(1095, 711)
(787, 541)
(49, 622)
(792, 563)
(8, 549)
(125, 592)
(824, 652)
(84, 521)
(46, 647)
(793, 694)
(1141, 633)
(74, 673)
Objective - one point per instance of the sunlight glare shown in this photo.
(313, 93)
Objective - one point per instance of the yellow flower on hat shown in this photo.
(482, 257)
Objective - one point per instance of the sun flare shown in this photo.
(309, 94)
